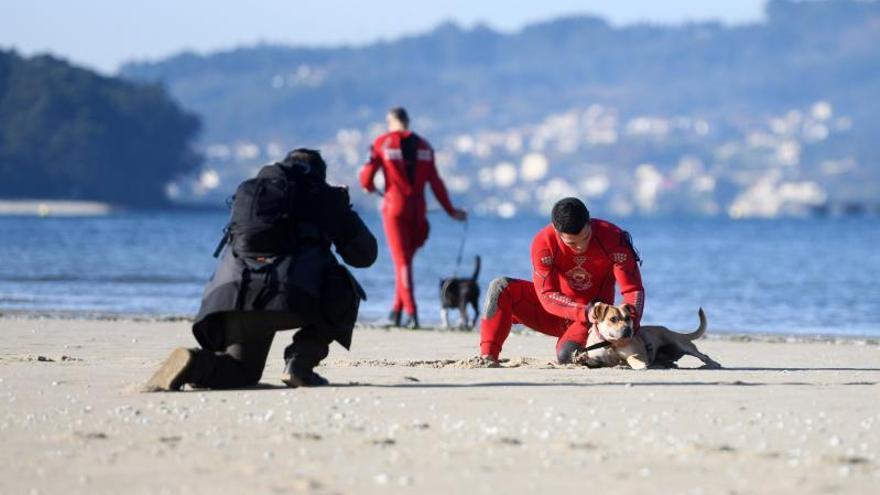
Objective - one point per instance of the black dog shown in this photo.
(458, 293)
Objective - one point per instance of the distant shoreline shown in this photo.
(75, 208)
(58, 208)
(47, 208)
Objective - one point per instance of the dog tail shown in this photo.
(701, 330)
(476, 268)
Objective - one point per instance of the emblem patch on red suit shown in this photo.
(618, 257)
(579, 279)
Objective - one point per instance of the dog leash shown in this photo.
(597, 345)
(461, 244)
(460, 248)
(449, 281)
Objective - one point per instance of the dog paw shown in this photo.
(712, 365)
(581, 357)
(636, 364)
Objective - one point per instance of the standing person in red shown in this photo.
(576, 262)
(407, 161)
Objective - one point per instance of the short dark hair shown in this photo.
(570, 215)
(308, 159)
(400, 114)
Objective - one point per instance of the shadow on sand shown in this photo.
(521, 384)
(416, 384)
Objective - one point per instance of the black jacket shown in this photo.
(306, 287)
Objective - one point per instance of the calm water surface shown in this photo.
(799, 276)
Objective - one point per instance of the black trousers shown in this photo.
(246, 347)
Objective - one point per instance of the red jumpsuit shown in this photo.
(563, 286)
(404, 212)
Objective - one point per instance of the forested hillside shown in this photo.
(68, 133)
(764, 119)
(476, 78)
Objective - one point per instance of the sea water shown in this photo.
(791, 276)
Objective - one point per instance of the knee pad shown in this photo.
(565, 351)
(496, 287)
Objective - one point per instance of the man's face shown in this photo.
(393, 123)
(577, 242)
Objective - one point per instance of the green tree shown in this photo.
(68, 133)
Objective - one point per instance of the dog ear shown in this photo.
(598, 311)
(630, 309)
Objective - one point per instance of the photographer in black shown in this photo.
(277, 272)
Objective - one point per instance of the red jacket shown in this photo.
(404, 197)
(567, 283)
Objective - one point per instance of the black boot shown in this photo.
(310, 345)
(176, 371)
(393, 319)
(411, 321)
(298, 377)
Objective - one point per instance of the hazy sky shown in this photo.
(104, 33)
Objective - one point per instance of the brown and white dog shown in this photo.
(652, 346)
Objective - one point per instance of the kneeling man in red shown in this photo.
(576, 262)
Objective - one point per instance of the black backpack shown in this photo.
(262, 223)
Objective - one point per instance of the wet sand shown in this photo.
(407, 412)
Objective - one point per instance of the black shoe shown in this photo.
(172, 375)
(295, 377)
(393, 319)
(410, 321)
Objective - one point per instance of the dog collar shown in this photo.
(600, 344)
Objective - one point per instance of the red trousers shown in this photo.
(405, 235)
(517, 302)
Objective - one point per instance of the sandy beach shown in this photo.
(407, 414)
